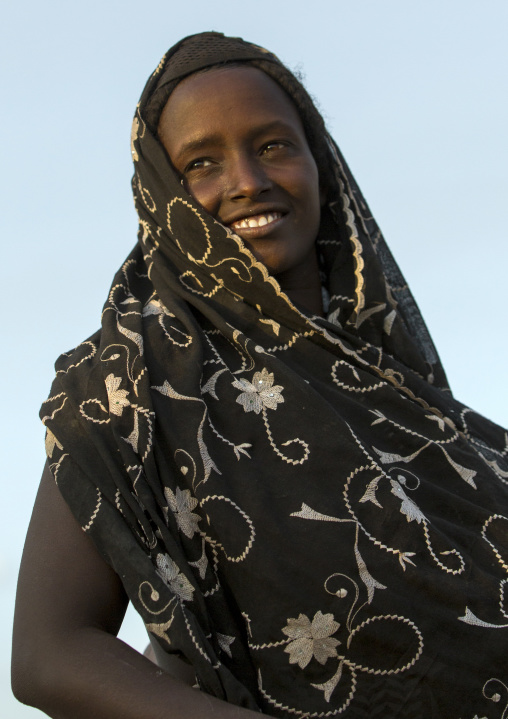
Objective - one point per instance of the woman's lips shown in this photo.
(257, 225)
(256, 220)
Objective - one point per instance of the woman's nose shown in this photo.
(246, 177)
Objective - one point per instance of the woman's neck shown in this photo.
(303, 286)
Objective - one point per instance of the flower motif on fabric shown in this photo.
(260, 393)
(181, 504)
(171, 575)
(311, 639)
(117, 397)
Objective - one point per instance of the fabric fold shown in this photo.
(296, 505)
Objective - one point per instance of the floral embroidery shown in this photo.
(261, 393)
(182, 505)
(173, 578)
(117, 397)
(311, 639)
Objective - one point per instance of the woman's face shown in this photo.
(238, 142)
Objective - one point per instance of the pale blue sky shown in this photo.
(415, 93)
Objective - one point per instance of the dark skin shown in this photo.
(256, 168)
(67, 660)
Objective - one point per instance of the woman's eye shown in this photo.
(270, 146)
(198, 164)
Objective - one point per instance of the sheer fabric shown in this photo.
(297, 505)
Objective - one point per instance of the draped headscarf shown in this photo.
(296, 505)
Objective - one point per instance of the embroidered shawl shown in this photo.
(296, 505)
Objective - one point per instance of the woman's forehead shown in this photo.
(222, 96)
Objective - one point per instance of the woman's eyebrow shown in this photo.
(196, 144)
(200, 142)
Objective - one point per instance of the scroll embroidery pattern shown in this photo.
(265, 465)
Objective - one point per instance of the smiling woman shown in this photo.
(259, 448)
(255, 173)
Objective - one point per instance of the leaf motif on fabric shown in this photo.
(133, 336)
(465, 473)
(209, 386)
(328, 687)
(242, 448)
(117, 397)
(497, 469)
(407, 507)
(133, 438)
(155, 307)
(311, 639)
(225, 641)
(370, 493)
(380, 417)
(389, 320)
(307, 512)
(366, 577)
(471, 618)
(167, 390)
(201, 564)
(368, 313)
(208, 463)
(389, 457)
(439, 420)
(160, 629)
(274, 325)
(50, 442)
(405, 557)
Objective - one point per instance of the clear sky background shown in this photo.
(414, 92)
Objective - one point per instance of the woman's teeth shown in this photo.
(257, 221)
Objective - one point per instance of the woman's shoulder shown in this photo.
(80, 356)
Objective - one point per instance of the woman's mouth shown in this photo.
(256, 221)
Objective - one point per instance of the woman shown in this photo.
(261, 444)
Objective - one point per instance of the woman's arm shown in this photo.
(67, 660)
